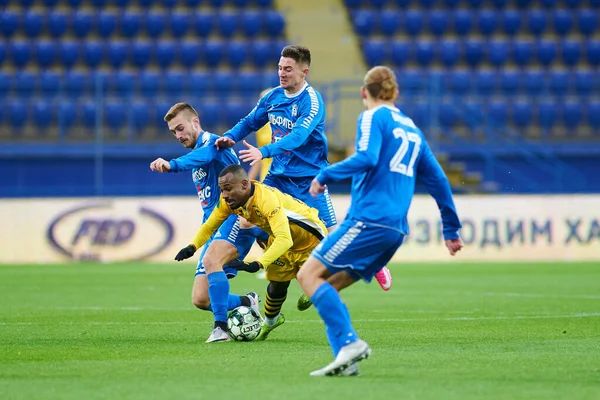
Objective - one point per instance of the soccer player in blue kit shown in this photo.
(391, 152)
(234, 238)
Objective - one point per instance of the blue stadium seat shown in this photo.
(499, 4)
(68, 53)
(351, 4)
(381, 3)
(9, 22)
(449, 52)
(17, 113)
(448, 3)
(82, 23)
(141, 53)
(459, 81)
(115, 115)
(571, 50)
(237, 53)
(107, 23)
(118, 53)
(260, 52)
(199, 82)
(573, 3)
(241, 3)
(571, 113)
(522, 51)
(534, 81)
(486, 22)
(252, 23)
(546, 114)
(24, 83)
(250, 83)
(93, 53)
(154, 24)
(26, 3)
(146, 3)
(438, 22)
(521, 113)
(485, 81)
(213, 53)
(523, 4)
(546, 51)
(448, 117)
(595, 3)
(375, 51)
(588, 21)
(57, 23)
(180, 23)
(2, 52)
(462, 22)
(189, 53)
(593, 113)
(511, 22)
(33, 22)
(51, 3)
(223, 83)
(413, 22)
(140, 114)
(593, 52)
(210, 114)
(563, 21)
(21, 53)
(67, 115)
(203, 24)
(548, 3)
(559, 81)
(364, 22)
(497, 112)
(510, 81)
(389, 22)
(45, 53)
(131, 22)
(74, 3)
(164, 53)
(585, 81)
(498, 51)
(160, 109)
(274, 23)
(473, 52)
(100, 4)
(43, 113)
(424, 52)
(123, 82)
(4, 84)
(536, 22)
(99, 80)
(75, 83)
(228, 23)
(264, 3)
(216, 3)
(148, 83)
(475, 4)
(175, 82)
(88, 114)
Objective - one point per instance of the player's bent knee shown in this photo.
(201, 302)
(219, 253)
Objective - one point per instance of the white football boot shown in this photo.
(348, 355)
(218, 335)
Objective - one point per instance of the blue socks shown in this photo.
(334, 313)
(233, 301)
(218, 292)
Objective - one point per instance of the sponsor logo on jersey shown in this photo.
(280, 121)
(294, 110)
(199, 174)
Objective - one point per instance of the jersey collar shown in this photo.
(291, 96)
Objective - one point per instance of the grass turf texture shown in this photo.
(449, 331)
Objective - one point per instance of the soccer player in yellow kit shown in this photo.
(294, 231)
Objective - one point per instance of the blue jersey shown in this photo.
(298, 145)
(391, 152)
(206, 163)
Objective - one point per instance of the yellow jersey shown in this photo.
(284, 218)
(263, 138)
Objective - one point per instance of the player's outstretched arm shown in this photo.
(255, 120)
(160, 165)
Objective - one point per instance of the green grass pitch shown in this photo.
(446, 331)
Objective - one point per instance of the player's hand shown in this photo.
(224, 143)
(160, 165)
(454, 245)
(254, 266)
(316, 188)
(186, 253)
(252, 155)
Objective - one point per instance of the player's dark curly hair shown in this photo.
(381, 83)
(300, 54)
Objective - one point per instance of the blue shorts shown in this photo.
(298, 188)
(241, 238)
(359, 248)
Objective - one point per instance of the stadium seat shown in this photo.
(510, 81)
(497, 112)
(486, 22)
(260, 51)
(449, 52)
(462, 22)
(24, 83)
(51, 3)
(389, 22)
(45, 51)
(9, 22)
(351, 4)
(588, 21)
(585, 81)
(175, 82)
(57, 23)
(234, 111)
(546, 114)
(573, 3)
(500, 4)
(521, 113)
(424, 52)
(523, 4)
(21, 53)
(593, 52)
(475, 4)
(75, 83)
(274, 23)
(213, 53)
(252, 23)
(199, 82)
(571, 114)
(593, 113)
(264, 3)
(115, 116)
(413, 22)
(534, 81)
(131, 22)
(511, 22)
(216, 3)
(43, 113)
(82, 23)
(559, 81)
(473, 52)
(140, 114)
(68, 53)
(33, 22)
(74, 3)
(118, 53)
(375, 52)
(522, 51)
(381, 3)
(546, 51)
(141, 53)
(2, 52)
(148, 83)
(100, 4)
(241, 3)
(210, 114)
(160, 108)
(4, 84)
(485, 81)
(448, 117)
(123, 82)
(497, 52)
(122, 3)
(203, 24)
(164, 53)
(448, 3)
(179, 23)
(228, 23)
(189, 53)
(25, 4)
(154, 24)
(88, 114)
(250, 83)
(536, 22)
(99, 81)
(237, 53)
(16, 110)
(145, 4)
(563, 21)
(438, 22)
(550, 4)
(459, 81)
(67, 115)
(571, 50)
(93, 53)
(107, 23)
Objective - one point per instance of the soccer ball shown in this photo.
(243, 324)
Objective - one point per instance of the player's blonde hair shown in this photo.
(177, 108)
(381, 83)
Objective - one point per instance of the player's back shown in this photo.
(383, 193)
